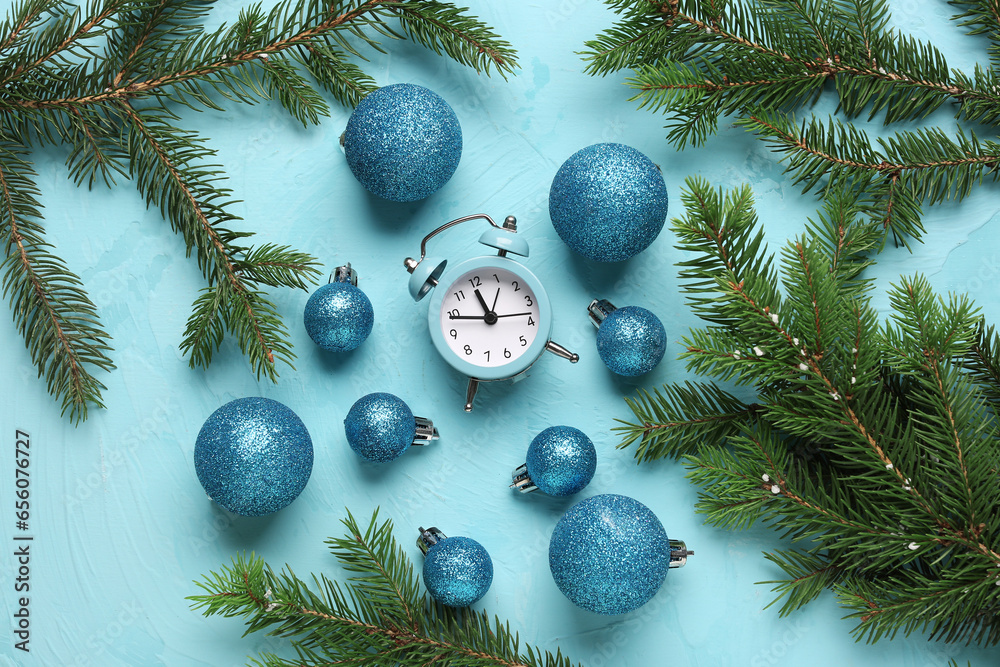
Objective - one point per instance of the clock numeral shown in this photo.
(496, 278)
(487, 353)
(454, 334)
(476, 282)
(459, 295)
(516, 288)
(468, 350)
(523, 342)
(506, 352)
(454, 312)
(528, 301)
(531, 322)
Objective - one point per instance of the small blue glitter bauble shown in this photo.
(457, 571)
(608, 202)
(339, 317)
(631, 341)
(609, 554)
(380, 427)
(253, 456)
(561, 460)
(403, 142)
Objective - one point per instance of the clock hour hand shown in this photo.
(482, 302)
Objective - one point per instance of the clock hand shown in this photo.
(495, 300)
(482, 302)
(466, 317)
(514, 314)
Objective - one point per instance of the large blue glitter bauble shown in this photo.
(339, 317)
(608, 202)
(561, 460)
(403, 142)
(253, 456)
(609, 554)
(380, 427)
(457, 571)
(631, 341)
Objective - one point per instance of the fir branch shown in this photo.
(760, 60)
(162, 158)
(104, 78)
(378, 616)
(873, 447)
(448, 30)
(52, 312)
(981, 17)
(680, 419)
(983, 362)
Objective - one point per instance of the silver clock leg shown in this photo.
(560, 351)
(470, 393)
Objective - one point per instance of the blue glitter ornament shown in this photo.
(630, 340)
(457, 570)
(253, 456)
(403, 142)
(608, 202)
(381, 426)
(339, 316)
(610, 554)
(561, 461)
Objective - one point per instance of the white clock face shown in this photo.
(489, 316)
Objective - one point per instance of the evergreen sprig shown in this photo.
(873, 446)
(698, 61)
(379, 616)
(106, 78)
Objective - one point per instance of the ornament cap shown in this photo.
(344, 274)
(425, 431)
(522, 480)
(600, 309)
(678, 554)
(428, 538)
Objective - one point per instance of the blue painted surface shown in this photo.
(122, 526)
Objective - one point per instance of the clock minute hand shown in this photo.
(466, 317)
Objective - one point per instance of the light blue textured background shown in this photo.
(122, 526)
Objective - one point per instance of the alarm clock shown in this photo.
(489, 316)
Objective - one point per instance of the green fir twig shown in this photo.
(106, 78)
(759, 61)
(872, 446)
(379, 616)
